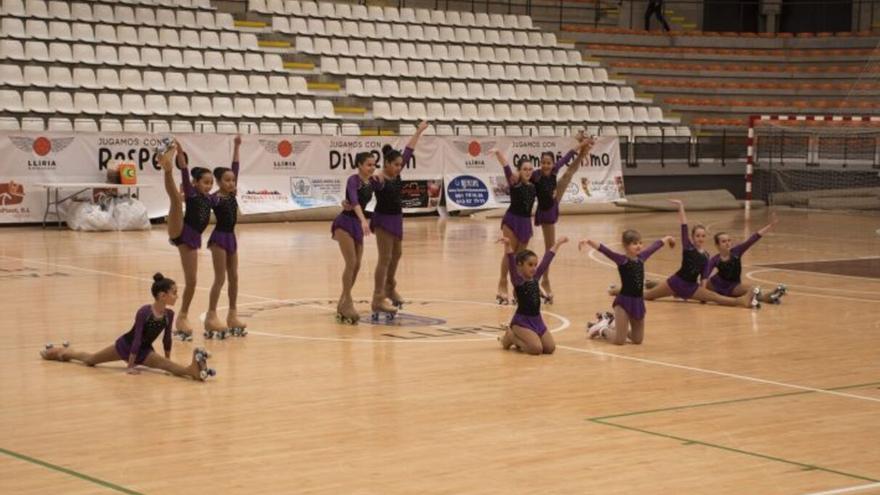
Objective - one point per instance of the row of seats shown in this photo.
(83, 10)
(759, 85)
(776, 103)
(161, 126)
(151, 81)
(124, 14)
(796, 69)
(583, 28)
(176, 105)
(330, 10)
(466, 71)
(415, 32)
(524, 92)
(127, 35)
(517, 112)
(427, 51)
(739, 52)
(80, 53)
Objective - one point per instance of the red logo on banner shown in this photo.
(474, 148)
(42, 146)
(285, 148)
(11, 193)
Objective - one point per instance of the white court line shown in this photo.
(851, 489)
(719, 373)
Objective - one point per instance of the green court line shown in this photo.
(689, 441)
(71, 472)
(730, 401)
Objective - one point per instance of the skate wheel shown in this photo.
(203, 374)
(212, 372)
(65, 343)
(243, 332)
(207, 335)
(49, 346)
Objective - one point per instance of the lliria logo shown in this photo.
(41, 147)
(474, 150)
(11, 193)
(285, 150)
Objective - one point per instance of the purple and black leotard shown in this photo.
(632, 279)
(528, 295)
(145, 330)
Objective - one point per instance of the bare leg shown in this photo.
(637, 331)
(703, 294)
(527, 340)
(154, 360)
(384, 248)
(212, 321)
(743, 289)
(232, 320)
(175, 211)
(547, 343)
(514, 243)
(105, 355)
(349, 252)
(618, 335)
(189, 258)
(549, 240)
(507, 339)
(565, 180)
(391, 278)
(661, 290)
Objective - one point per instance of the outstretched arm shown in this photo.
(183, 164)
(236, 157)
(656, 245)
(548, 257)
(508, 173)
(617, 258)
(515, 278)
(414, 140)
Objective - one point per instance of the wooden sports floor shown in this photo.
(782, 400)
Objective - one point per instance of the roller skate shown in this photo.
(47, 354)
(776, 296)
(382, 309)
(182, 329)
(214, 328)
(346, 313)
(200, 356)
(396, 299)
(600, 327)
(755, 302)
(502, 299)
(237, 328)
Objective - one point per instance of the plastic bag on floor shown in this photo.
(130, 214)
(88, 216)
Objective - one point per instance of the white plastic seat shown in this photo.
(239, 84)
(305, 108)
(109, 79)
(134, 125)
(245, 107)
(87, 103)
(156, 105)
(218, 83)
(110, 103)
(61, 102)
(203, 107)
(81, 11)
(130, 79)
(85, 125)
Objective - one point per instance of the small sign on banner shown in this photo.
(127, 173)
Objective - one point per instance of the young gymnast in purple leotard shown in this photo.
(549, 194)
(629, 304)
(685, 283)
(224, 249)
(387, 223)
(350, 227)
(527, 331)
(136, 346)
(185, 230)
(728, 263)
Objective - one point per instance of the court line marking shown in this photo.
(690, 441)
(71, 472)
(857, 291)
(565, 323)
(719, 373)
(769, 266)
(730, 401)
(851, 489)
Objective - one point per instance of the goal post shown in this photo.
(814, 161)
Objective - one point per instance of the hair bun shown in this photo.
(386, 149)
(158, 276)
